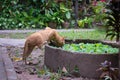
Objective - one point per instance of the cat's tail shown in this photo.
(28, 48)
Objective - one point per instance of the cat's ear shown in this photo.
(63, 38)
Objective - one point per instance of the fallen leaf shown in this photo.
(16, 59)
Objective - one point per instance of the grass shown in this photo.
(84, 35)
(95, 34)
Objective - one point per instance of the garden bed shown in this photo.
(87, 64)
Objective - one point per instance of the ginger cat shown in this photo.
(41, 38)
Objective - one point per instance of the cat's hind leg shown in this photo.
(27, 51)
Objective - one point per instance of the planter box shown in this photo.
(56, 58)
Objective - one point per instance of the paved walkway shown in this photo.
(3, 75)
(25, 31)
(12, 42)
(7, 71)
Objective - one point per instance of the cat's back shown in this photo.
(35, 35)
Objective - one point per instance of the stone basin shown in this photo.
(87, 64)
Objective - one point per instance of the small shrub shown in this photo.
(113, 21)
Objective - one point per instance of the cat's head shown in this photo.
(61, 42)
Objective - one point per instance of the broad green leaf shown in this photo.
(68, 16)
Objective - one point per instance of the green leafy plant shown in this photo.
(97, 48)
(55, 76)
(28, 20)
(108, 72)
(99, 12)
(113, 21)
(54, 17)
(65, 12)
(19, 14)
(6, 23)
(87, 21)
(46, 72)
(60, 16)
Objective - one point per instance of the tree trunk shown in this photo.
(118, 36)
(119, 61)
(75, 4)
